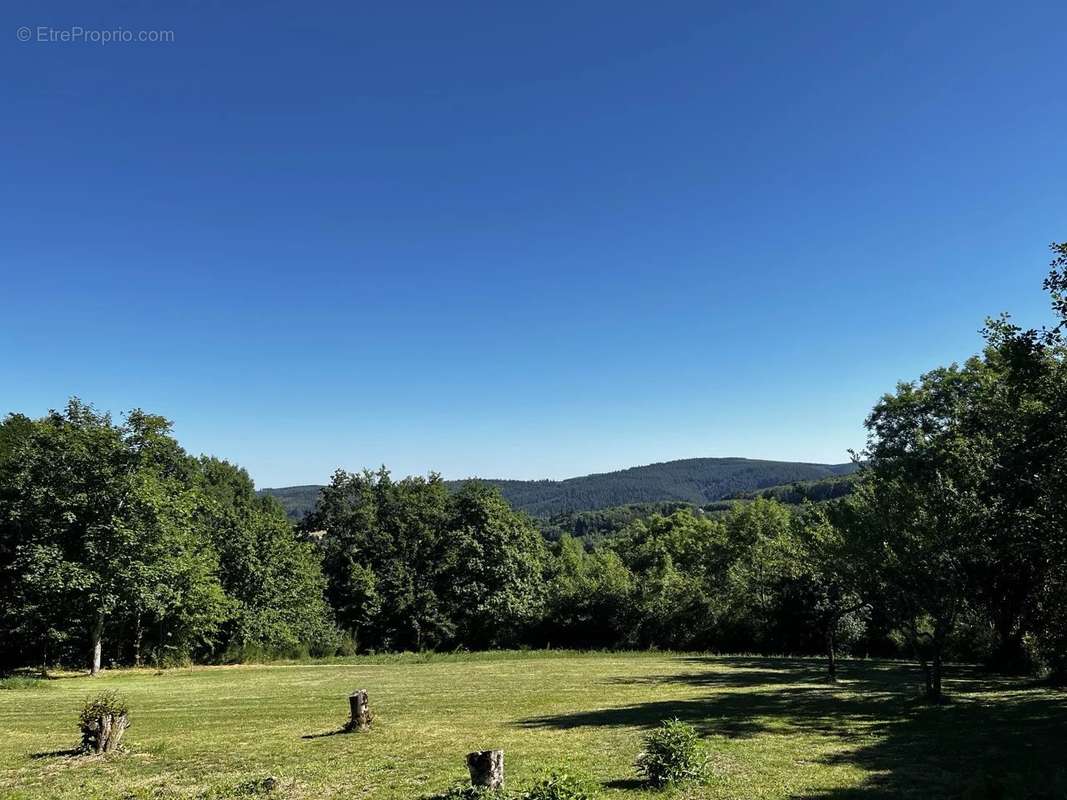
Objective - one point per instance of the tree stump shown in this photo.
(486, 768)
(104, 734)
(360, 709)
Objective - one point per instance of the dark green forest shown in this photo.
(691, 481)
(805, 491)
(948, 542)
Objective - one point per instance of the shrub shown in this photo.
(256, 787)
(560, 786)
(461, 792)
(15, 682)
(673, 754)
(557, 785)
(102, 722)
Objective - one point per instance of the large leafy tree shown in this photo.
(383, 545)
(495, 568)
(924, 507)
(963, 490)
(95, 515)
(1025, 582)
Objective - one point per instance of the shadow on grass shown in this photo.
(631, 784)
(29, 672)
(74, 751)
(339, 732)
(997, 738)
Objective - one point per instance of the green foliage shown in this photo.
(274, 580)
(411, 566)
(114, 542)
(673, 755)
(560, 785)
(589, 596)
(960, 510)
(751, 580)
(97, 519)
(107, 703)
(922, 505)
(595, 526)
(383, 550)
(494, 568)
(799, 492)
(675, 561)
(826, 573)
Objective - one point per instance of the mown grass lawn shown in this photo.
(774, 728)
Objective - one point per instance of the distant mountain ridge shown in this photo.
(692, 480)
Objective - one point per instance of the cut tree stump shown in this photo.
(360, 710)
(104, 734)
(486, 768)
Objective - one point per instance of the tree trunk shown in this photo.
(138, 635)
(935, 674)
(96, 636)
(486, 768)
(359, 706)
(926, 675)
(831, 656)
(104, 734)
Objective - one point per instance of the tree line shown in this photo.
(116, 543)
(117, 546)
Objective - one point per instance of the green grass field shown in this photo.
(773, 727)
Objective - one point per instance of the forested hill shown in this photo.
(692, 480)
(296, 500)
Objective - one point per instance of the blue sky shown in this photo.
(518, 239)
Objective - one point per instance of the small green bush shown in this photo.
(256, 787)
(559, 785)
(673, 754)
(103, 704)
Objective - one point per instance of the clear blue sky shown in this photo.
(519, 239)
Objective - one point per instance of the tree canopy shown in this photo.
(111, 533)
